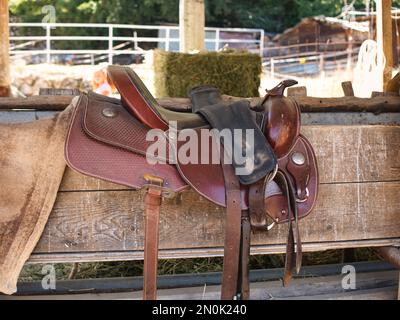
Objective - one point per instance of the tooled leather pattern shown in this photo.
(122, 130)
(276, 208)
(114, 164)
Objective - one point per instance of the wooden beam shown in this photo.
(315, 282)
(393, 85)
(103, 222)
(36, 103)
(375, 105)
(384, 38)
(312, 104)
(299, 91)
(5, 81)
(97, 220)
(191, 25)
(349, 104)
(395, 44)
(347, 87)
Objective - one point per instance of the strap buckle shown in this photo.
(153, 180)
(305, 198)
(157, 182)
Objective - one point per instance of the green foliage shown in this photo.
(271, 15)
(178, 72)
(99, 11)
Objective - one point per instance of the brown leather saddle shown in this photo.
(109, 139)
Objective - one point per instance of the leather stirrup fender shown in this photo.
(292, 257)
(232, 242)
(152, 204)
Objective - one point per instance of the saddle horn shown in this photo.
(281, 118)
(279, 89)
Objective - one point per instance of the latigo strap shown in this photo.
(243, 281)
(232, 233)
(152, 204)
(293, 256)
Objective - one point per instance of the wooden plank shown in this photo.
(297, 92)
(393, 85)
(347, 118)
(378, 104)
(347, 87)
(349, 104)
(307, 118)
(36, 102)
(5, 82)
(59, 92)
(385, 38)
(14, 116)
(371, 285)
(191, 25)
(101, 221)
(367, 185)
(119, 284)
(127, 255)
(385, 293)
(212, 293)
(372, 153)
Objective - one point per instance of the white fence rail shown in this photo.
(168, 39)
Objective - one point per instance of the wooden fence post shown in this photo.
(191, 25)
(384, 37)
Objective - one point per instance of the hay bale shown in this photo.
(235, 73)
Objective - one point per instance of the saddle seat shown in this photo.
(137, 99)
(282, 120)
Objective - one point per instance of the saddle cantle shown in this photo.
(107, 140)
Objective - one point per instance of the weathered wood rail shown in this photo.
(357, 207)
(376, 104)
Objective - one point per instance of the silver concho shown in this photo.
(109, 112)
(298, 158)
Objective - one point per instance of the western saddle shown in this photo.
(108, 139)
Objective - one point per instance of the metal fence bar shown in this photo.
(167, 39)
(272, 68)
(48, 43)
(110, 44)
(262, 43)
(217, 40)
(48, 38)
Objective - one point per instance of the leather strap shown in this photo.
(257, 215)
(257, 210)
(243, 281)
(258, 220)
(232, 233)
(293, 257)
(152, 204)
